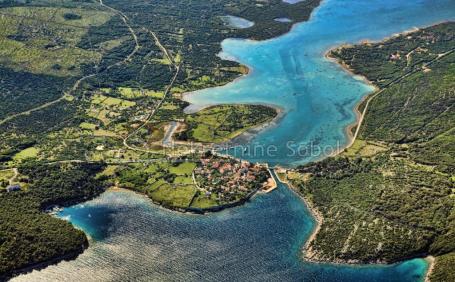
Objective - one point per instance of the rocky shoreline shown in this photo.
(309, 255)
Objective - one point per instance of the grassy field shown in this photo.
(86, 125)
(179, 196)
(107, 109)
(134, 93)
(202, 202)
(362, 148)
(42, 40)
(168, 184)
(222, 123)
(110, 101)
(5, 176)
(185, 168)
(31, 152)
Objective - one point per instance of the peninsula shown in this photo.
(390, 196)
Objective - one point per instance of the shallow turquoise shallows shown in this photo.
(317, 96)
(261, 241)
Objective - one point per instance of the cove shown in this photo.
(260, 241)
(133, 239)
(292, 73)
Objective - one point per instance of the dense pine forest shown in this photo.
(29, 236)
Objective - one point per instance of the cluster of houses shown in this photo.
(228, 178)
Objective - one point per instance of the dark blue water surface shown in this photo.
(261, 241)
(133, 239)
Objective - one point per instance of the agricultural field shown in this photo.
(134, 93)
(222, 123)
(165, 183)
(362, 148)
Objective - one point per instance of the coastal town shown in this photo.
(231, 180)
(198, 183)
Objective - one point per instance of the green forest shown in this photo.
(28, 236)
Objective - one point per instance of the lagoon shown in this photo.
(283, 20)
(316, 94)
(237, 22)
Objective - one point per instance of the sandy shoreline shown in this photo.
(193, 108)
(351, 136)
(247, 135)
(431, 265)
(307, 250)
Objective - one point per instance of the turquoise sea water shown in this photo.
(134, 240)
(317, 96)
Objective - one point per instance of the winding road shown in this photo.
(76, 85)
(393, 82)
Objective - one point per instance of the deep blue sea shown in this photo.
(134, 240)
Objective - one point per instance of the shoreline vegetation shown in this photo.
(307, 251)
(357, 108)
(39, 233)
(308, 254)
(317, 216)
(359, 115)
(368, 148)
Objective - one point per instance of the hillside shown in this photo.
(390, 196)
